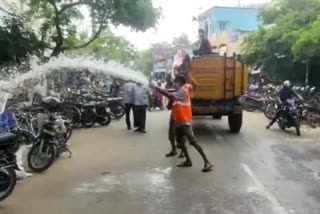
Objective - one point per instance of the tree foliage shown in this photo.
(181, 41)
(112, 47)
(17, 42)
(57, 19)
(144, 61)
(287, 39)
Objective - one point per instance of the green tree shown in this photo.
(181, 41)
(17, 42)
(287, 39)
(58, 19)
(144, 61)
(112, 47)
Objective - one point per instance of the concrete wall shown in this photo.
(244, 19)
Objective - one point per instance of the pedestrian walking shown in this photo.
(128, 99)
(182, 114)
(141, 96)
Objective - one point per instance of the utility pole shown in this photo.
(307, 72)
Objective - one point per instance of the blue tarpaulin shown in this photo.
(7, 121)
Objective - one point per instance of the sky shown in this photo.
(177, 19)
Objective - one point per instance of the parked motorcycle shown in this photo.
(115, 107)
(93, 109)
(8, 164)
(312, 114)
(92, 113)
(252, 102)
(50, 140)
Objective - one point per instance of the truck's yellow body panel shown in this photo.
(220, 81)
(218, 78)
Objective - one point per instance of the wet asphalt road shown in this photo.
(116, 171)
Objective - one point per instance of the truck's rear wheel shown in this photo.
(235, 122)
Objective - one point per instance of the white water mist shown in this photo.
(110, 68)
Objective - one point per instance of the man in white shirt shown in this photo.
(128, 99)
(141, 96)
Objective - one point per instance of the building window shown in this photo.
(234, 36)
(223, 25)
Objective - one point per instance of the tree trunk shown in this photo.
(56, 51)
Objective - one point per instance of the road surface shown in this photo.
(118, 171)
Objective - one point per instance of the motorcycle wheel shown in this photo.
(68, 134)
(46, 157)
(270, 111)
(87, 121)
(88, 124)
(117, 109)
(104, 119)
(249, 108)
(8, 179)
(281, 126)
(74, 114)
(312, 119)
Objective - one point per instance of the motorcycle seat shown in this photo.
(7, 138)
(90, 104)
(114, 99)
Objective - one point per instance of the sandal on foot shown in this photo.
(181, 155)
(207, 168)
(185, 164)
(171, 154)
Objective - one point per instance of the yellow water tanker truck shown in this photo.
(220, 81)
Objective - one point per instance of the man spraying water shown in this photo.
(182, 114)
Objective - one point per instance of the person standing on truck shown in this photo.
(205, 46)
(182, 114)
